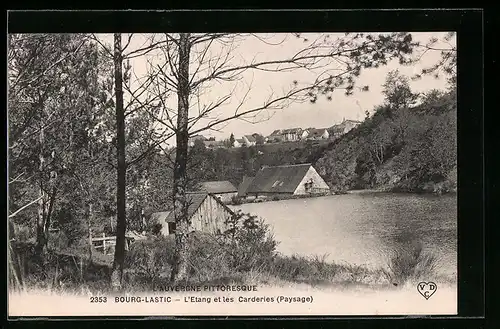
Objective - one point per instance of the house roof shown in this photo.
(280, 179)
(195, 200)
(250, 138)
(276, 132)
(218, 187)
(292, 130)
(316, 132)
(160, 216)
(240, 140)
(195, 137)
(243, 187)
(336, 129)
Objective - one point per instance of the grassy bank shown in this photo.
(249, 259)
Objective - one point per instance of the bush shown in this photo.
(148, 259)
(248, 242)
(236, 200)
(304, 269)
(410, 263)
(208, 259)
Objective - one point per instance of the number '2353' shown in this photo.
(98, 299)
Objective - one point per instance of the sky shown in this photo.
(256, 86)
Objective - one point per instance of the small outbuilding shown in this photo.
(223, 190)
(206, 213)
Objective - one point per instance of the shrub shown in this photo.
(148, 259)
(410, 263)
(248, 242)
(236, 200)
(208, 259)
(303, 269)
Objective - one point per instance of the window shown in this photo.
(171, 228)
(308, 186)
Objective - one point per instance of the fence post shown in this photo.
(104, 243)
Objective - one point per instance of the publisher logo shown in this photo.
(426, 289)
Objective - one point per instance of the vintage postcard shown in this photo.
(220, 174)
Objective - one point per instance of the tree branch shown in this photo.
(24, 207)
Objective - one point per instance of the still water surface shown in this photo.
(363, 228)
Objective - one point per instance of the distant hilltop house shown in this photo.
(258, 137)
(275, 137)
(223, 190)
(211, 144)
(206, 213)
(247, 140)
(300, 179)
(317, 134)
(293, 134)
(342, 128)
(288, 135)
(239, 142)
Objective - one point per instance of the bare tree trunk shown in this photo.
(121, 224)
(180, 268)
(40, 224)
(15, 273)
(89, 228)
(50, 209)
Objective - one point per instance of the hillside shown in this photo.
(406, 149)
(410, 150)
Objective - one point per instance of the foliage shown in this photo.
(397, 91)
(411, 149)
(248, 242)
(63, 145)
(150, 258)
(231, 140)
(410, 263)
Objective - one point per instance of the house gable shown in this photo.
(205, 212)
(318, 183)
(211, 216)
(244, 185)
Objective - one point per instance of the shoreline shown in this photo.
(357, 191)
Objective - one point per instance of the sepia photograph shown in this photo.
(232, 174)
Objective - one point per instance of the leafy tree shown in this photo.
(397, 91)
(52, 92)
(231, 140)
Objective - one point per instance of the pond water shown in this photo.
(363, 228)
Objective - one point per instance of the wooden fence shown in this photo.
(106, 244)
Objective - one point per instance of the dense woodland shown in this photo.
(86, 135)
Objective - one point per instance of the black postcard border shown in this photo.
(467, 23)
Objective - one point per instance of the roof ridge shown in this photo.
(291, 165)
